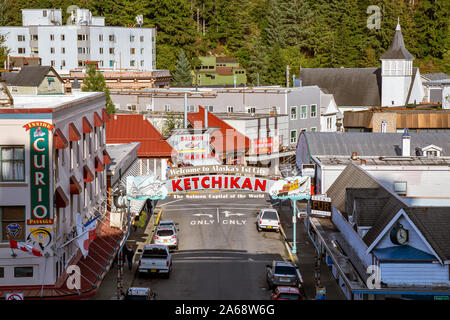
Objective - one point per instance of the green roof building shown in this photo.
(220, 71)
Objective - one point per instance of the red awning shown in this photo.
(105, 116)
(59, 139)
(74, 134)
(97, 120)
(87, 174)
(87, 127)
(106, 157)
(98, 165)
(61, 200)
(75, 187)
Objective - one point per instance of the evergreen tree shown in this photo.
(274, 34)
(95, 81)
(183, 72)
(3, 49)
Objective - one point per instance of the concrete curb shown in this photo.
(292, 256)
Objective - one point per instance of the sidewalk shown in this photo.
(306, 253)
(137, 239)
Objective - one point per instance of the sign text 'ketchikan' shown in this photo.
(215, 182)
(40, 173)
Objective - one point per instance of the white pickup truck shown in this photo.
(155, 259)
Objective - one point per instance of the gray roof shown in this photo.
(397, 50)
(8, 77)
(369, 202)
(370, 143)
(119, 152)
(434, 224)
(436, 76)
(382, 206)
(30, 76)
(349, 86)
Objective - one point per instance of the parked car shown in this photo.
(167, 236)
(268, 219)
(286, 293)
(169, 223)
(155, 259)
(282, 273)
(136, 293)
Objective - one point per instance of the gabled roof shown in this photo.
(397, 50)
(134, 128)
(31, 76)
(227, 139)
(349, 86)
(433, 222)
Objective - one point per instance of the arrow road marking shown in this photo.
(229, 214)
(202, 214)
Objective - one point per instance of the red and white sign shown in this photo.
(222, 182)
(24, 247)
(14, 296)
(265, 145)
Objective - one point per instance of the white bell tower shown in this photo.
(396, 72)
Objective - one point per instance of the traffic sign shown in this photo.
(14, 296)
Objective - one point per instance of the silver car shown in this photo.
(282, 273)
(268, 219)
(166, 235)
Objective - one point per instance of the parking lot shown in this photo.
(221, 254)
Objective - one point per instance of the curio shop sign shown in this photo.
(39, 172)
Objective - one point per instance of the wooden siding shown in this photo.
(417, 120)
(414, 274)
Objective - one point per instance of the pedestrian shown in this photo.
(130, 254)
(124, 254)
(135, 222)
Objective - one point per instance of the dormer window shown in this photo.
(432, 151)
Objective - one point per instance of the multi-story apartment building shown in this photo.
(220, 71)
(52, 171)
(308, 108)
(83, 38)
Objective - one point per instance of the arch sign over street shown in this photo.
(230, 180)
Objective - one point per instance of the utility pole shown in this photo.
(287, 76)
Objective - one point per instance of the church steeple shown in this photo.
(397, 50)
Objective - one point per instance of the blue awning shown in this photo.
(404, 253)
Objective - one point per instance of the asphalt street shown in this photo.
(221, 255)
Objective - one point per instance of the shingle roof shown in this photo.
(134, 128)
(31, 76)
(434, 224)
(397, 50)
(370, 143)
(227, 139)
(349, 86)
(369, 203)
(351, 177)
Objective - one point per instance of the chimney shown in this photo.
(115, 117)
(406, 144)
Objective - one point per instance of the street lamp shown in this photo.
(120, 201)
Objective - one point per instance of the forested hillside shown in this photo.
(267, 35)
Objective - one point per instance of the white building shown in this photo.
(83, 38)
(52, 168)
(396, 83)
(418, 165)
